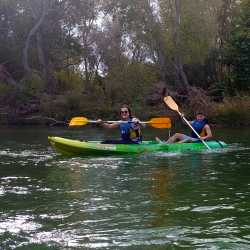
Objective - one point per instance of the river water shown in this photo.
(152, 201)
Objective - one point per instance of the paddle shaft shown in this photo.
(159, 122)
(141, 122)
(193, 129)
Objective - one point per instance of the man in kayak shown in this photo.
(200, 125)
(130, 128)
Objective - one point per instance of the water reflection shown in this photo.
(18, 224)
(153, 201)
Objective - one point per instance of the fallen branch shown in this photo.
(54, 121)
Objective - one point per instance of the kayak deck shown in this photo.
(69, 147)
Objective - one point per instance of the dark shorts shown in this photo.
(187, 138)
(118, 142)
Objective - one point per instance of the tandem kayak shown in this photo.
(70, 147)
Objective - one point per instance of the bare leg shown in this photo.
(176, 137)
(159, 140)
(185, 140)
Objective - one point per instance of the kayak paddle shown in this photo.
(159, 122)
(172, 105)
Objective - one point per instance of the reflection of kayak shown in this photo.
(94, 148)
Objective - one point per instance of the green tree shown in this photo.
(237, 51)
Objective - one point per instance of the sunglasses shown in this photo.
(124, 111)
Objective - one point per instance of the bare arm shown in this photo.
(110, 125)
(208, 132)
(100, 122)
(136, 124)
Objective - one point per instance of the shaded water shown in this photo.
(152, 201)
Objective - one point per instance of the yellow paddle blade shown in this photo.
(160, 122)
(78, 121)
(171, 103)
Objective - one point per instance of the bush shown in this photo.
(234, 111)
(33, 85)
(237, 49)
(4, 91)
(69, 80)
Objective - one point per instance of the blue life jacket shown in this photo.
(198, 127)
(129, 134)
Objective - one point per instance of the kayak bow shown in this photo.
(70, 147)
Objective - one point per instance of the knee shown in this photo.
(177, 135)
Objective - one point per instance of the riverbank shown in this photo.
(230, 112)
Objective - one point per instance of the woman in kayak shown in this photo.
(200, 125)
(130, 128)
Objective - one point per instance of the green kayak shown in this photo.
(70, 147)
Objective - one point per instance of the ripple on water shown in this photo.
(25, 157)
(91, 163)
(109, 238)
(18, 223)
(115, 211)
(207, 209)
(20, 185)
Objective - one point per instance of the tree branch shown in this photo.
(52, 120)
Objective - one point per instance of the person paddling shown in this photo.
(130, 128)
(200, 125)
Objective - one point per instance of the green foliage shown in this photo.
(60, 106)
(197, 31)
(33, 85)
(74, 103)
(5, 90)
(234, 111)
(237, 51)
(88, 65)
(130, 83)
(69, 80)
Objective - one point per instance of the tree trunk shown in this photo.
(224, 25)
(41, 56)
(31, 33)
(178, 64)
(180, 73)
(87, 75)
(162, 60)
